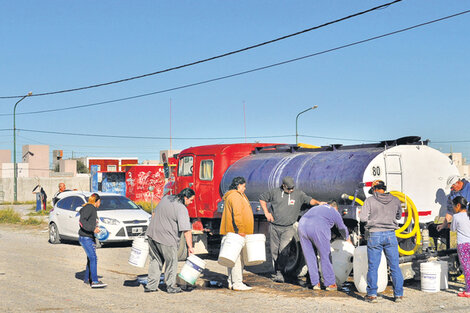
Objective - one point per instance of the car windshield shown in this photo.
(116, 203)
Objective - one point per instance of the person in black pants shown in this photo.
(86, 237)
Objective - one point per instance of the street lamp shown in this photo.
(296, 133)
(15, 168)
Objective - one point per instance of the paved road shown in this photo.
(36, 276)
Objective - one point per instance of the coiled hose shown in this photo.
(412, 215)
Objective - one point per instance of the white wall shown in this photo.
(50, 185)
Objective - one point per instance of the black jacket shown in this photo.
(88, 221)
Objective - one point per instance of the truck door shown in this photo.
(393, 172)
(186, 178)
(205, 185)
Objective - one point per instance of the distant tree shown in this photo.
(81, 168)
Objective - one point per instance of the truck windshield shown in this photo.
(185, 166)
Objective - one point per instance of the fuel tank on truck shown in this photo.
(406, 165)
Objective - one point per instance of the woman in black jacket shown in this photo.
(86, 236)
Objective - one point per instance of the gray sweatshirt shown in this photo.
(381, 212)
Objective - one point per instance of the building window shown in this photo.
(111, 168)
(206, 172)
(185, 166)
(98, 168)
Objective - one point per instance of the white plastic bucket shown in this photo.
(430, 276)
(254, 252)
(444, 275)
(342, 256)
(231, 247)
(139, 252)
(192, 268)
(360, 267)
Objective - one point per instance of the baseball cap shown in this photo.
(377, 184)
(452, 180)
(288, 182)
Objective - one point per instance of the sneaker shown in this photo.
(333, 287)
(317, 287)
(278, 277)
(174, 290)
(149, 290)
(464, 294)
(371, 299)
(98, 284)
(398, 299)
(241, 287)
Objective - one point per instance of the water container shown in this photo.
(231, 247)
(139, 252)
(254, 252)
(360, 267)
(192, 268)
(430, 276)
(444, 275)
(342, 259)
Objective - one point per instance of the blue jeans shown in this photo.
(89, 246)
(386, 241)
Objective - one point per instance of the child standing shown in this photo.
(461, 224)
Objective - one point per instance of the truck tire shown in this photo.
(182, 249)
(295, 265)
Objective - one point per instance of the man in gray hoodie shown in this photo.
(381, 213)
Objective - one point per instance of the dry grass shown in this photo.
(10, 216)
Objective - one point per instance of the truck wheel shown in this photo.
(54, 236)
(295, 265)
(182, 248)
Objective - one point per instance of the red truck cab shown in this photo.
(201, 169)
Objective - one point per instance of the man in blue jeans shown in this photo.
(381, 213)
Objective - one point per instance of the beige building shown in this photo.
(37, 156)
(461, 163)
(5, 157)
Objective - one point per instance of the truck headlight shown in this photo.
(108, 220)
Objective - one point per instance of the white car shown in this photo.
(119, 218)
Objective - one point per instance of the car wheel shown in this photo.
(54, 236)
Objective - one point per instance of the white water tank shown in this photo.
(360, 267)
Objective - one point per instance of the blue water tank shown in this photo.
(324, 175)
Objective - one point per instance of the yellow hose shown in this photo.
(412, 215)
(359, 201)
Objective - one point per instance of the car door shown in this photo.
(71, 222)
(63, 216)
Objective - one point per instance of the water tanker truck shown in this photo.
(415, 172)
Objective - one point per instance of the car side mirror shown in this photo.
(78, 208)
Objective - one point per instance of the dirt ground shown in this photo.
(36, 276)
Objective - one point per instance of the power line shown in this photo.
(243, 72)
(143, 137)
(211, 58)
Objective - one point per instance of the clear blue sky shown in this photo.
(412, 83)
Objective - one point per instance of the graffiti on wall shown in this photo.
(145, 183)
